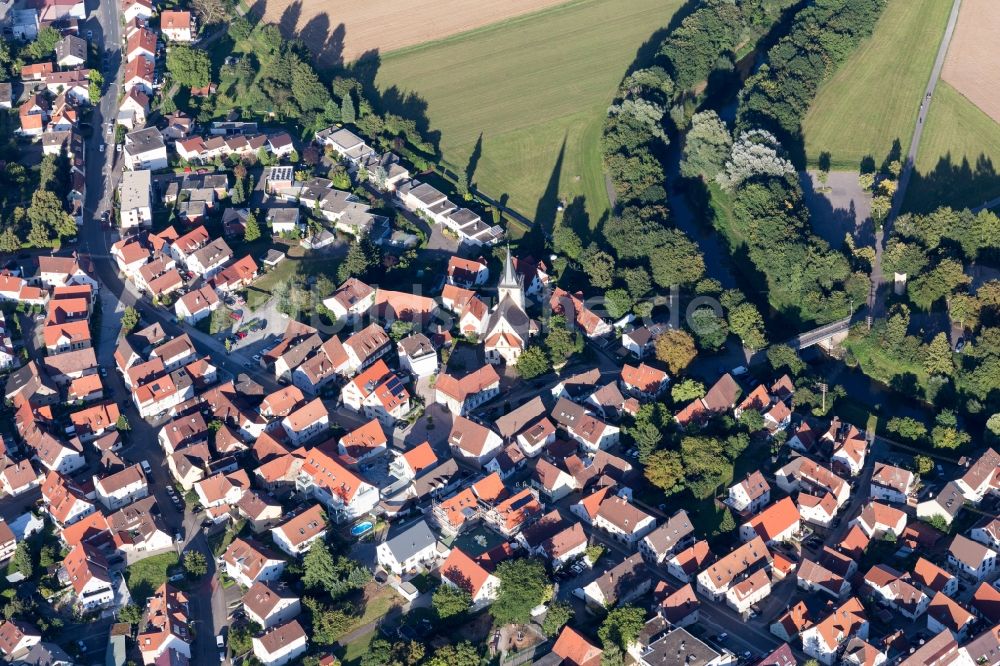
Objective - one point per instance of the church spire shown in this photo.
(511, 284)
(510, 277)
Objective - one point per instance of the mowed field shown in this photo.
(344, 29)
(971, 67)
(874, 98)
(959, 155)
(533, 87)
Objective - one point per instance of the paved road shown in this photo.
(102, 177)
(877, 300)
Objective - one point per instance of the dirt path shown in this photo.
(344, 29)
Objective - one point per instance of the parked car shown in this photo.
(146, 467)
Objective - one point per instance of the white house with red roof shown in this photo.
(778, 522)
(467, 273)
(877, 519)
(462, 395)
(296, 535)
(644, 381)
(472, 442)
(342, 493)
(364, 443)
(177, 26)
(462, 572)
(378, 393)
(306, 422)
(249, 562)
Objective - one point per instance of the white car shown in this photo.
(101, 148)
(220, 642)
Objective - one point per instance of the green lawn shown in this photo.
(351, 654)
(537, 89)
(217, 322)
(146, 575)
(959, 151)
(874, 98)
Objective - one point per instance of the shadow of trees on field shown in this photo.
(958, 185)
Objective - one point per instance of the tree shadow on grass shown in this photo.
(958, 185)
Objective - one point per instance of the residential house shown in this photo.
(982, 477)
(623, 521)
(932, 578)
(378, 393)
(877, 519)
(823, 640)
(210, 259)
(260, 510)
(121, 488)
(891, 484)
(177, 26)
(17, 637)
(417, 355)
(351, 300)
(364, 443)
(468, 273)
(462, 395)
(345, 495)
(715, 581)
(86, 569)
(18, 478)
(620, 584)
(408, 550)
(145, 149)
(777, 523)
(754, 588)
(270, 606)
(472, 442)
(971, 559)
(640, 341)
(167, 636)
(306, 422)
(462, 572)
(140, 75)
(813, 576)
(71, 52)
(750, 495)
(280, 645)
(945, 505)
(666, 539)
(197, 304)
(248, 563)
(944, 613)
(898, 591)
(644, 382)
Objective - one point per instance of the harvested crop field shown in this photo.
(971, 66)
(345, 29)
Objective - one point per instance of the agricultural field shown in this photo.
(971, 66)
(873, 100)
(343, 30)
(959, 155)
(535, 91)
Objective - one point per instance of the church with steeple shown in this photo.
(509, 326)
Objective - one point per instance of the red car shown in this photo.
(241, 335)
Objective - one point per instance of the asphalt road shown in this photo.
(208, 610)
